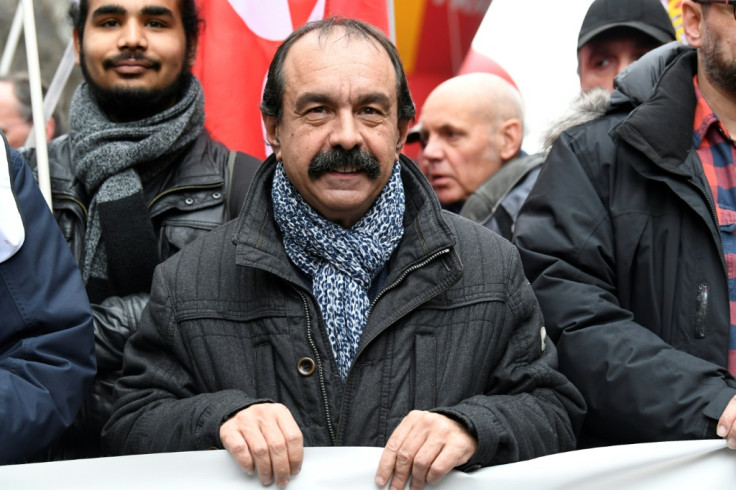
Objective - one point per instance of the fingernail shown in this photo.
(380, 481)
(721, 431)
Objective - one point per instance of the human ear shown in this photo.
(511, 132)
(272, 134)
(403, 132)
(692, 23)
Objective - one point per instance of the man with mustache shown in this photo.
(343, 307)
(629, 239)
(137, 177)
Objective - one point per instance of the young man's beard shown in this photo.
(133, 104)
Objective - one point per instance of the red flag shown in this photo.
(236, 46)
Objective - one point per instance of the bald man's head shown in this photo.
(470, 126)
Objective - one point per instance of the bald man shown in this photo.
(471, 130)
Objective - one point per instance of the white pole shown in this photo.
(12, 43)
(53, 94)
(391, 20)
(39, 125)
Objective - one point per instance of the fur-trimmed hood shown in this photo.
(633, 86)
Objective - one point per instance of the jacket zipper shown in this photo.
(74, 200)
(379, 295)
(182, 188)
(711, 208)
(402, 277)
(323, 390)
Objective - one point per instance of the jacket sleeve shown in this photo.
(530, 409)
(115, 320)
(637, 386)
(156, 407)
(46, 338)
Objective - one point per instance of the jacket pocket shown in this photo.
(424, 371)
(265, 372)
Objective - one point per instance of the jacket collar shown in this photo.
(196, 167)
(661, 124)
(258, 240)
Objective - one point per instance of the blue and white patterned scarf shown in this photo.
(342, 262)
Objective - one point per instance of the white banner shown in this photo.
(705, 465)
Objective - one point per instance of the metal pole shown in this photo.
(391, 20)
(12, 44)
(53, 94)
(39, 125)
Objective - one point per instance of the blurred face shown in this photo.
(134, 50)
(604, 56)
(12, 124)
(339, 134)
(460, 149)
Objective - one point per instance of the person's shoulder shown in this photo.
(210, 248)
(469, 233)
(588, 108)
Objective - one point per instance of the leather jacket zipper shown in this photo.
(182, 188)
(72, 199)
(320, 373)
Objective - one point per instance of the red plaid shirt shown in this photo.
(717, 153)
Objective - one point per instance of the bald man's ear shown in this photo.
(272, 135)
(512, 136)
(692, 23)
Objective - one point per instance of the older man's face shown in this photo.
(460, 147)
(12, 123)
(340, 95)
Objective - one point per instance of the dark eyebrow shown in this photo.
(311, 98)
(150, 10)
(375, 98)
(157, 11)
(108, 10)
(321, 98)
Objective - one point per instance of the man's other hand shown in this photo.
(425, 446)
(265, 438)
(727, 424)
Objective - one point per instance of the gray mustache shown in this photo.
(337, 157)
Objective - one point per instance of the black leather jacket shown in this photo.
(185, 201)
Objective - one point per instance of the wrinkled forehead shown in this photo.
(333, 48)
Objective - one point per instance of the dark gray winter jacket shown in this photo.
(455, 329)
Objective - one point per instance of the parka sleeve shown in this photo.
(46, 337)
(530, 408)
(157, 408)
(637, 386)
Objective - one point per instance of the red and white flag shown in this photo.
(236, 46)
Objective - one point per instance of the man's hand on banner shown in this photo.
(425, 446)
(727, 424)
(265, 438)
